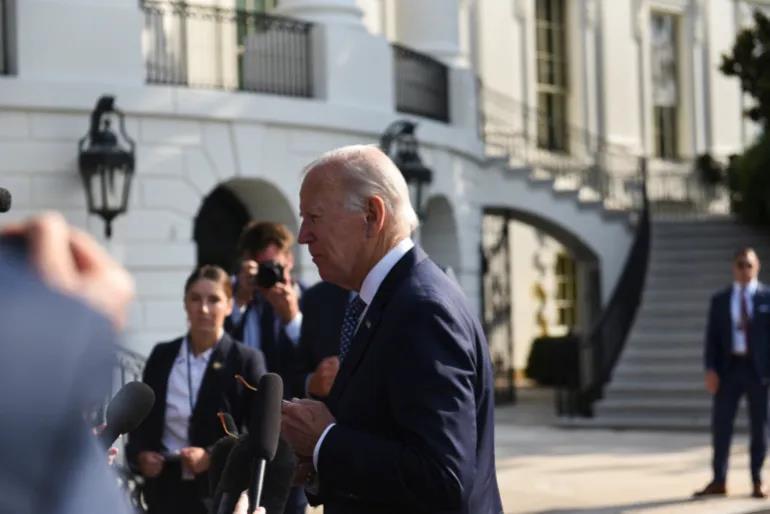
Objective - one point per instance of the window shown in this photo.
(550, 29)
(665, 84)
(566, 290)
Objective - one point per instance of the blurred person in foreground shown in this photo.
(64, 300)
(737, 362)
(193, 380)
(409, 423)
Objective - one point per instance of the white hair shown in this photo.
(366, 171)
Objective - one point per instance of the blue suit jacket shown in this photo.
(719, 333)
(414, 404)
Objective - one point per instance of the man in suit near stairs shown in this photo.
(737, 361)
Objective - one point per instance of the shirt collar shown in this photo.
(751, 287)
(380, 270)
(204, 357)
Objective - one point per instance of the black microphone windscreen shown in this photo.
(5, 200)
(127, 410)
(218, 459)
(265, 423)
(237, 471)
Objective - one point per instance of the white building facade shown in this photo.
(218, 97)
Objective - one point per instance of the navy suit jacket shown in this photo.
(413, 402)
(323, 309)
(719, 333)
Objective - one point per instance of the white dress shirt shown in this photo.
(739, 338)
(184, 382)
(369, 288)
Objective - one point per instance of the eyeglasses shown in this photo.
(744, 265)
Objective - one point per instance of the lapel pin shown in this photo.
(368, 324)
(216, 365)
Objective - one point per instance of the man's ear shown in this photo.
(375, 216)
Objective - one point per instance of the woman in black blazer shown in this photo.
(193, 380)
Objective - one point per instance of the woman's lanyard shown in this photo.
(189, 377)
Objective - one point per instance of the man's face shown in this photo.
(746, 268)
(275, 254)
(335, 236)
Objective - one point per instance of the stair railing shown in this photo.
(600, 349)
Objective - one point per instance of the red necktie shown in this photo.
(745, 318)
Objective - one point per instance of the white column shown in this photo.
(345, 12)
(80, 40)
(350, 65)
(431, 27)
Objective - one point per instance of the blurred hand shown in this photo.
(112, 453)
(322, 379)
(712, 381)
(245, 290)
(150, 464)
(242, 507)
(303, 472)
(284, 299)
(194, 459)
(302, 423)
(70, 261)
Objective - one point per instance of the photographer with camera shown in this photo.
(267, 312)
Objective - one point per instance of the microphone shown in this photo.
(235, 476)
(265, 429)
(218, 460)
(5, 200)
(126, 411)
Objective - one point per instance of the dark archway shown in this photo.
(218, 225)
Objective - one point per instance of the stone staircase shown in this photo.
(658, 381)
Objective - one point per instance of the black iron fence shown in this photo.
(4, 38)
(599, 170)
(422, 84)
(212, 47)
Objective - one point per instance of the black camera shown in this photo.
(269, 274)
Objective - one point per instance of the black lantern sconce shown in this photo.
(400, 144)
(106, 164)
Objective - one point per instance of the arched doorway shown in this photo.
(538, 281)
(438, 233)
(228, 208)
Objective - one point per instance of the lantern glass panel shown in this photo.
(110, 185)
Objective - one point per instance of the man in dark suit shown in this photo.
(269, 319)
(409, 424)
(317, 362)
(737, 361)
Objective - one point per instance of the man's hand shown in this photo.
(195, 459)
(302, 423)
(150, 464)
(322, 379)
(70, 261)
(242, 507)
(284, 299)
(245, 289)
(712, 381)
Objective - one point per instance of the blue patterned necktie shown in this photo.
(349, 324)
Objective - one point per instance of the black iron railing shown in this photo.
(600, 350)
(211, 47)
(4, 38)
(422, 84)
(599, 170)
(677, 190)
